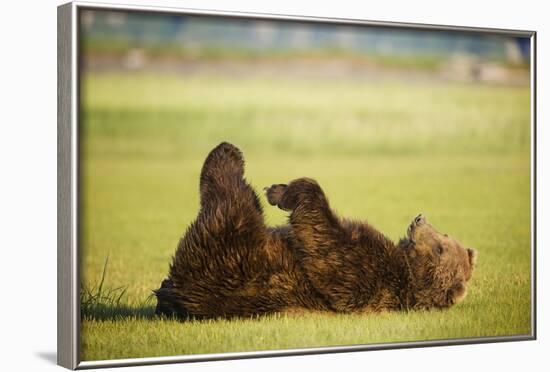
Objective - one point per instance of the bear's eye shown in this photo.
(440, 249)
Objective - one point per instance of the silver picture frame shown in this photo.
(68, 271)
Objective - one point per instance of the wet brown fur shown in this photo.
(229, 263)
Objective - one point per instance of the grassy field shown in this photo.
(384, 151)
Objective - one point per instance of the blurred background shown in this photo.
(391, 122)
(224, 77)
(138, 41)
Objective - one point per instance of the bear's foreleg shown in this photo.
(322, 240)
(311, 218)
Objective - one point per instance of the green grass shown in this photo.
(384, 151)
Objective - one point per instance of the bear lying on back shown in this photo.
(229, 263)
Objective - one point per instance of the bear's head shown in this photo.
(440, 267)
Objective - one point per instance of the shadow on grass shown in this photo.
(102, 311)
(98, 302)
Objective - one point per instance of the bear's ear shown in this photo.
(472, 256)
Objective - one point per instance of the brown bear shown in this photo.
(230, 264)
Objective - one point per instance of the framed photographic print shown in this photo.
(235, 185)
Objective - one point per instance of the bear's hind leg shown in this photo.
(222, 178)
(217, 261)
